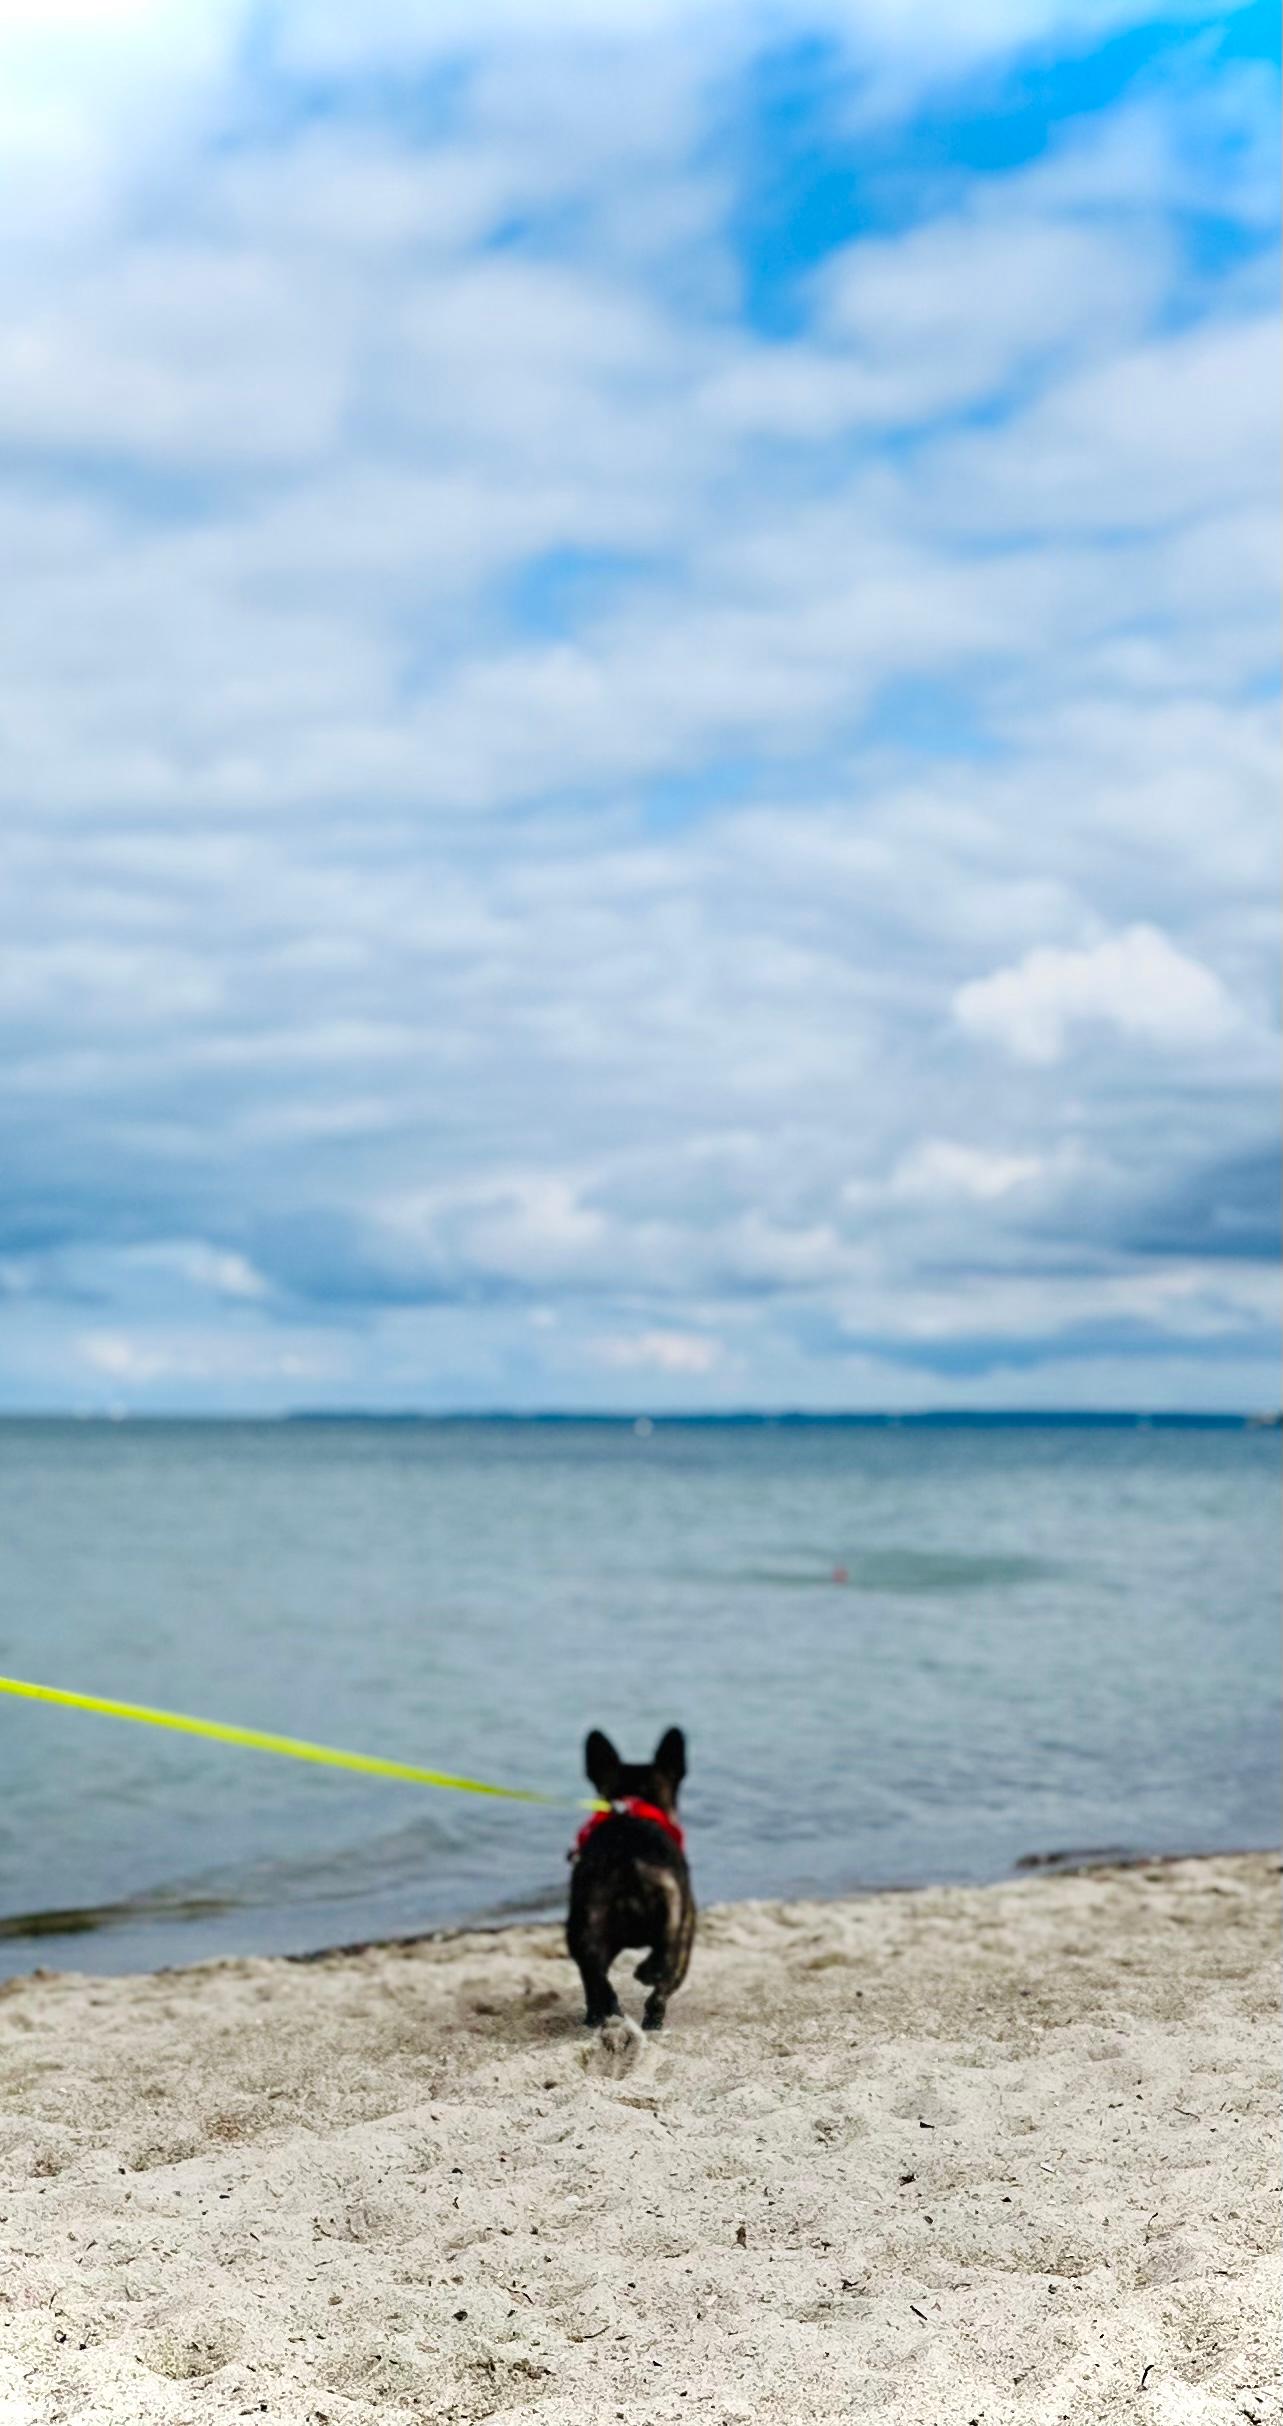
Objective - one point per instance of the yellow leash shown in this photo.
(255, 1740)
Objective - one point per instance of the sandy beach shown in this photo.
(953, 2156)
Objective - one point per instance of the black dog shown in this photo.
(630, 1885)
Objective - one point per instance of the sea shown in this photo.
(902, 1651)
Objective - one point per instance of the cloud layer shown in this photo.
(639, 680)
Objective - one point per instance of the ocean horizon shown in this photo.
(1107, 1418)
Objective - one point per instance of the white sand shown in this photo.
(931, 2159)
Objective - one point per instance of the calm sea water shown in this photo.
(1048, 1640)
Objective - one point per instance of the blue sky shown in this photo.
(641, 706)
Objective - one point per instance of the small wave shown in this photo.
(339, 1873)
(336, 1875)
(536, 1905)
(907, 1571)
(75, 1920)
(1080, 1857)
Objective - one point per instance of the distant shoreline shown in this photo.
(963, 1419)
(800, 1420)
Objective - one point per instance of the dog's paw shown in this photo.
(616, 2049)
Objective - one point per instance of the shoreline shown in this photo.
(999, 2152)
(1030, 1867)
(87, 1920)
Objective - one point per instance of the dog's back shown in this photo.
(631, 1884)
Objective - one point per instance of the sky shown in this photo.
(640, 705)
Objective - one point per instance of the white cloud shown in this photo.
(1136, 982)
(141, 1362)
(659, 1352)
(180, 354)
(915, 326)
(1178, 426)
(123, 1359)
(940, 1170)
(1179, 1302)
(217, 1270)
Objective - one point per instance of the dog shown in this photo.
(630, 1885)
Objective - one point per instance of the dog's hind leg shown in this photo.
(656, 2005)
(600, 2001)
(593, 1955)
(666, 1965)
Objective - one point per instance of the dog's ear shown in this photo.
(603, 1764)
(670, 1756)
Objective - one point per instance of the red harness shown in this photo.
(633, 1808)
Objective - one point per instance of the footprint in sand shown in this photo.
(617, 2049)
(182, 2356)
